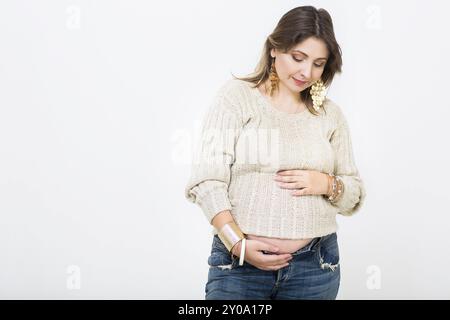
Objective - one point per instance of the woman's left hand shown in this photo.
(303, 182)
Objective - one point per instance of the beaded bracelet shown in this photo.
(337, 188)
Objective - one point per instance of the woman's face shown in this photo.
(305, 62)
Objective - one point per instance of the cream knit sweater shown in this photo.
(245, 140)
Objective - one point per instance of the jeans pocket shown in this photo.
(327, 253)
(218, 245)
(220, 257)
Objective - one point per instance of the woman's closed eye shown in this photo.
(317, 65)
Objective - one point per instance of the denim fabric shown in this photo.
(312, 273)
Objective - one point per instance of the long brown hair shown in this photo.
(297, 25)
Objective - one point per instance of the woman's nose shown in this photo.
(306, 72)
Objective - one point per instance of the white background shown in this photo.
(101, 101)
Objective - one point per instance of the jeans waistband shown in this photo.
(313, 244)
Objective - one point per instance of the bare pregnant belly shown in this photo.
(285, 245)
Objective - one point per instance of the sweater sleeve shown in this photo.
(345, 167)
(210, 171)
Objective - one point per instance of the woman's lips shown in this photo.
(298, 82)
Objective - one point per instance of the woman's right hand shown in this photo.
(263, 261)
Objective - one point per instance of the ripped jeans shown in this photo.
(312, 273)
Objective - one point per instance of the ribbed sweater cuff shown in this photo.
(212, 201)
(353, 197)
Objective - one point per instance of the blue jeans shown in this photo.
(312, 273)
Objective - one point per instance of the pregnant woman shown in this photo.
(275, 166)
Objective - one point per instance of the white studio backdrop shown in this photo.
(100, 105)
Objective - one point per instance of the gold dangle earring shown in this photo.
(317, 94)
(273, 77)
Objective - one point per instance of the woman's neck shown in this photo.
(283, 98)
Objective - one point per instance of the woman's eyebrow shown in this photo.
(307, 55)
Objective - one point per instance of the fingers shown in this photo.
(262, 246)
(290, 182)
(277, 259)
(294, 172)
(290, 185)
(286, 178)
(272, 258)
(300, 192)
(268, 261)
(277, 266)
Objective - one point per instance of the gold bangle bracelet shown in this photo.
(230, 234)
